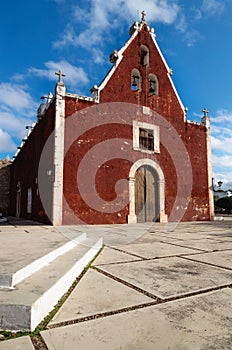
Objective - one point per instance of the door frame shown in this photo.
(132, 217)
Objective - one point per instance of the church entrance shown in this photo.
(146, 192)
(147, 199)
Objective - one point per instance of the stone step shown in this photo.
(24, 307)
(10, 280)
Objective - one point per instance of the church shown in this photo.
(126, 154)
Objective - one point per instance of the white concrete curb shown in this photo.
(38, 264)
(49, 299)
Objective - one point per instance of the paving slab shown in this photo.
(112, 256)
(25, 306)
(190, 230)
(198, 323)
(220, 258)
(225, 236)
(23, 343)
(113, 235)
(156, 249)
(205, 244)
(96, 293)
(25, 246)
(170, 277)
(153, 236)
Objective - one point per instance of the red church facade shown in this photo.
(125, 155)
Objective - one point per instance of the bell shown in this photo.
(152, 89)
(134, 83)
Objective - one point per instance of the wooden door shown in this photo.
(146, 194)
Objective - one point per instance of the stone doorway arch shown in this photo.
(151, 172)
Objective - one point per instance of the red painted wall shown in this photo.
(90, 125)
(167, 105)
(25, 169)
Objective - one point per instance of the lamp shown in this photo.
(220, 184)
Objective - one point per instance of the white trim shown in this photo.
(132, 218)
(120, 57)
(209, 167)
(43, 305)
(38, 264)
(80, 97)
(168, 71)
(156, 132)
(58, 168)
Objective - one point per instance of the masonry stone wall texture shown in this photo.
(163, 109)
(4, 186)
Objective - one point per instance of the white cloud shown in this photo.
(221, 131)
(196, 13)
(98, 56)
(14, 123)
(212, 7)
(75, 76)
(6, 143)
(157, 11)
(191, 37)
(101, 16)
(182, 23)
(225, 177)
(17, 109)
(222, 144)
(223, 116)
(15, 97)
(224, 161)
(17, 78)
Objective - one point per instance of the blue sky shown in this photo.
(40, 37)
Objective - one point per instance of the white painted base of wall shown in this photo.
(163, 218)
(132, 219)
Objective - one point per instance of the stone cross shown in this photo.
(143, 13)
(205, 111)
(60, 76)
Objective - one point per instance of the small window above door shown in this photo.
(146, 137)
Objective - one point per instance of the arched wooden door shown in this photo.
(147, 206)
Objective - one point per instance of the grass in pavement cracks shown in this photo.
(42, 326)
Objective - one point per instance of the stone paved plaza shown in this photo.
(152, 287)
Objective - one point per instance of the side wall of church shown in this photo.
(24, 170)
(4, 186)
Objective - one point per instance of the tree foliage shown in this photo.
(225, 203)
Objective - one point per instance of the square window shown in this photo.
(146, 139)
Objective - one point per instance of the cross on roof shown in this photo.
(205, 111)
(60, 76)
(143, 13)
